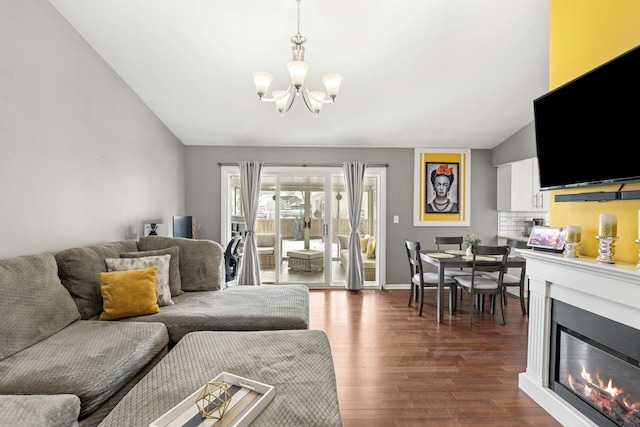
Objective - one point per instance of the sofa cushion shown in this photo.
(128, 293)
(265, 240)
(201, 261)
(265, 251)
(79, 270)
(238, 308)
(39, 410)
(163, 294)
(33, 303)
(174, 265)
(88, 358)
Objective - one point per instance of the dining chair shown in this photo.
(421, 280)
(486, 259)
(444, 243)
(513, 276)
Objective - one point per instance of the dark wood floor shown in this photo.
(394, 368)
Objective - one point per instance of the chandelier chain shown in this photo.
(299, 1)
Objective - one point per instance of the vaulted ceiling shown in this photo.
(420, 73)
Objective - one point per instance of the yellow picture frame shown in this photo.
(435, 169)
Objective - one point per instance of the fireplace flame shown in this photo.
(600, 383)
(603, 395)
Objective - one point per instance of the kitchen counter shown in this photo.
(519, 237)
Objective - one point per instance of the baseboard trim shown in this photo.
(388, 287)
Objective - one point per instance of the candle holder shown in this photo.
(571, 249)
(638, 264)
(606, 249)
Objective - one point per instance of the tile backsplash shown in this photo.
(510, 223)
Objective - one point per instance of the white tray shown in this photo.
(251, 398)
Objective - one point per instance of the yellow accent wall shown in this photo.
(583, 35)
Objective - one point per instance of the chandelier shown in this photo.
(284, 99)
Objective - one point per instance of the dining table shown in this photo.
(454, 258)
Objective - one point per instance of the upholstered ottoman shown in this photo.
(297, 363)
(306, 260)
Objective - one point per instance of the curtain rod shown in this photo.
(324, 165)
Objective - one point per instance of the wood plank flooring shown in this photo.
(394, 368)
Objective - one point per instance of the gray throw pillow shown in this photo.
(163, 293)
(175, 282)
(201, 261)
(79, 270)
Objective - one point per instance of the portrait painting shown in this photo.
(442, 187)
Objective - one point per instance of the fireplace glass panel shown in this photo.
(600, 377)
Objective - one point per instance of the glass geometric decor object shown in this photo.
(213, 401)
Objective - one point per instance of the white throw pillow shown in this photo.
(163, 292)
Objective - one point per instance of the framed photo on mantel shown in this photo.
(441, 187)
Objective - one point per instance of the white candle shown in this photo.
(574, 233)
(608, 226)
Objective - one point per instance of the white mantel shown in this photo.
(609, 290)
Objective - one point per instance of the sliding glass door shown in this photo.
(303, 225)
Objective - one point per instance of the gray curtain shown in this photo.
(250, 183)
(354, 184)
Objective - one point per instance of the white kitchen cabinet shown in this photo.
(519, 187)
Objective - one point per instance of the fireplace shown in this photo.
(584, 340)
(595, 365)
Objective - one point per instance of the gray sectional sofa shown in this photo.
(54, 345)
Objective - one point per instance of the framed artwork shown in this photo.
(441, 187)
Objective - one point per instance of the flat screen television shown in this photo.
(586, 130)
(182, 226)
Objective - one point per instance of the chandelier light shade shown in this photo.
(282, 99)
(298, 69)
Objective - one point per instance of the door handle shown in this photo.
(325, 230)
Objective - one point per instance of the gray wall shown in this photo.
(81, 157)
(203, 192)
(519, 146)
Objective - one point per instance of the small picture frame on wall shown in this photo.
(441, 187)
(155, 229)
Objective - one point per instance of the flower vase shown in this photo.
(469, 253)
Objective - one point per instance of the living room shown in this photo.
(84, 159)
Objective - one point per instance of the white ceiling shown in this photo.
(416, 73)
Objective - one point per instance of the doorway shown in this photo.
(302, 223)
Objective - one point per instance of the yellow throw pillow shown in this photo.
(371, 248)
(363, 243)
(128, 293)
